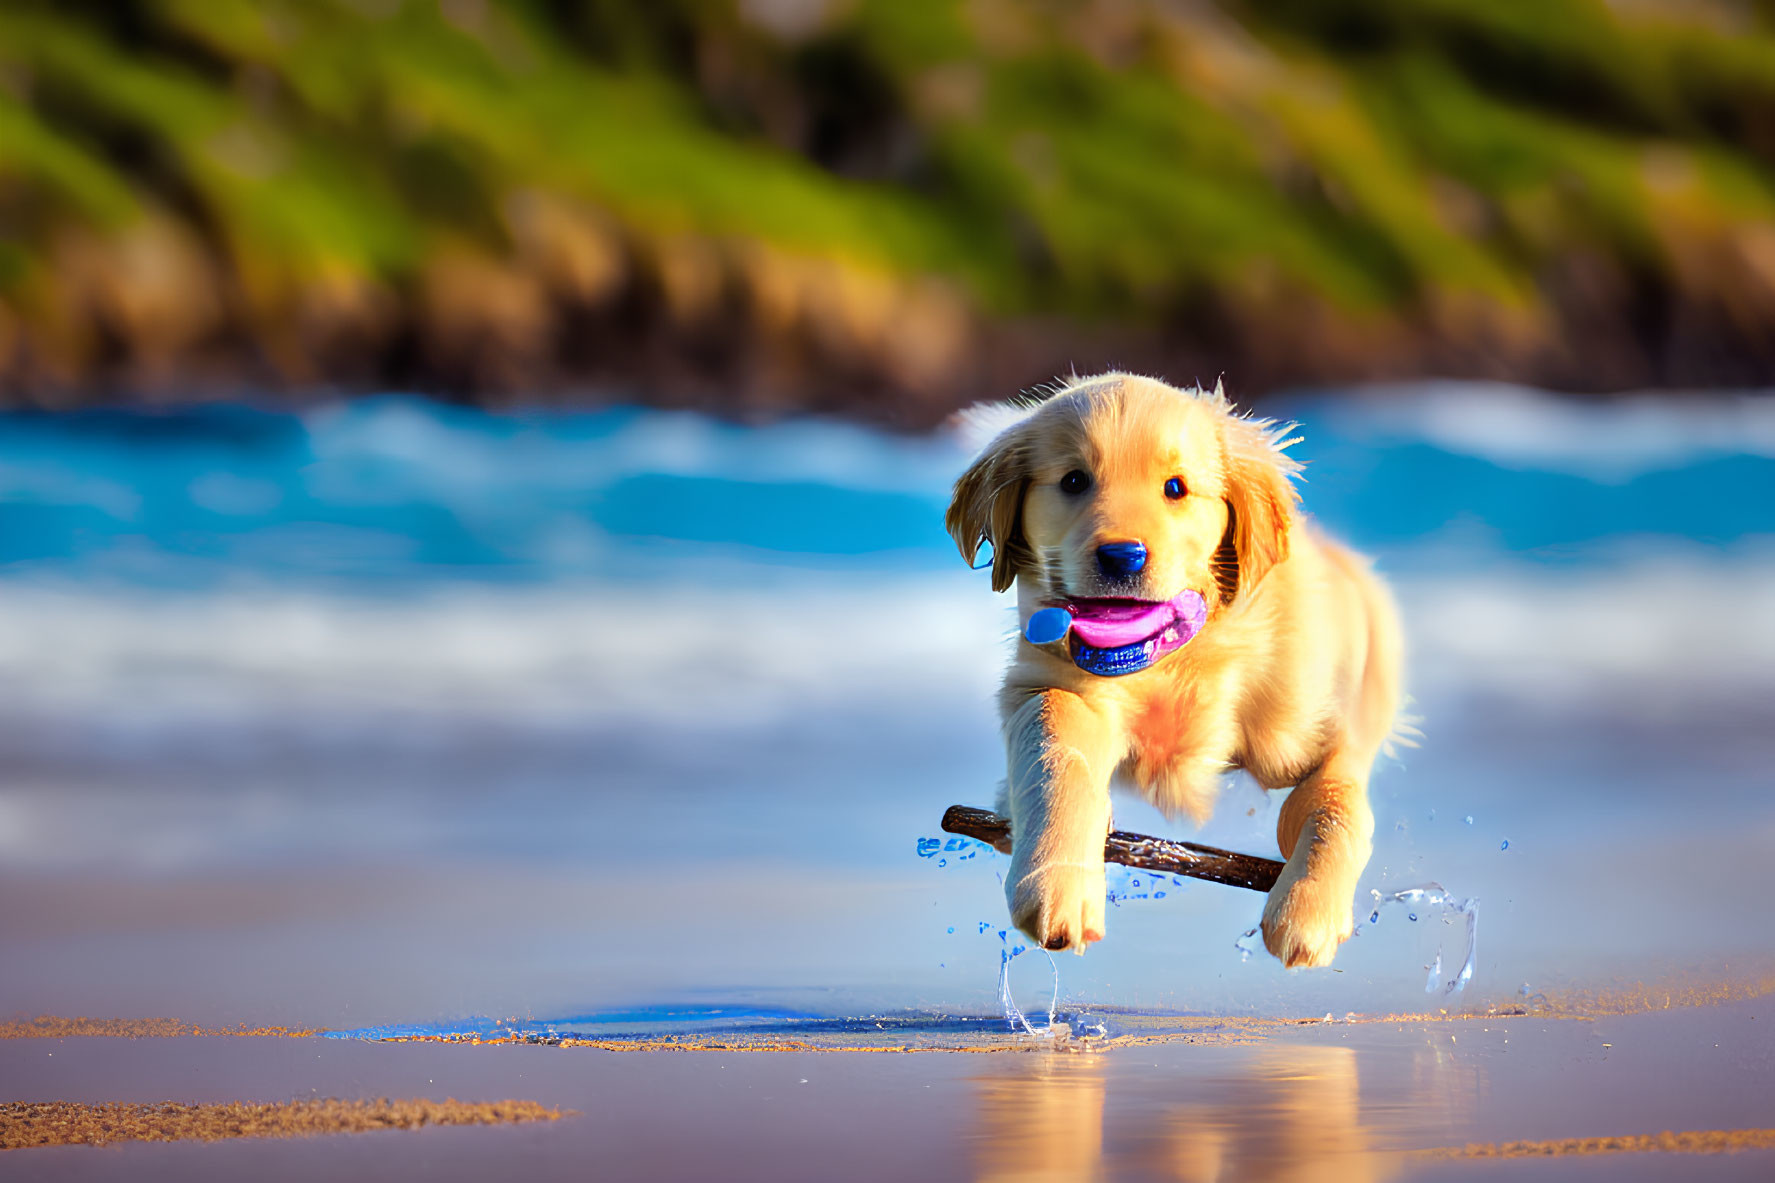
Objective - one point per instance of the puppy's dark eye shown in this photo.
(1174, 488)
(1076, 481)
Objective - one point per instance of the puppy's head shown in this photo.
(1123, 488)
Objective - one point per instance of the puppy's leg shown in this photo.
(1326, 831)
(1060, 756)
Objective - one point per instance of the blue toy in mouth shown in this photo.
(1111, 663)
(1048, 625)
(1114, 637)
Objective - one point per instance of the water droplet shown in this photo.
(1505, 845)
(942, 862)
(1435, 896)
(952, 930)
(1411, 915)
(1469, 819)
(1158, 895)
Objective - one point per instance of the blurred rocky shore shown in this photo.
(878, 208)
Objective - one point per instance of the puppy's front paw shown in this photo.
(1059, 905)
(1306, 918)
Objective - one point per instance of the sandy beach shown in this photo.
(1401, 1097)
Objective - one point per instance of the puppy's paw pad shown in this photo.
(1059, 906)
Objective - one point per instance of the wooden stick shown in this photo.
(1135, 850)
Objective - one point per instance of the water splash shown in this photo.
(1249, 942)
(1125, 885)
(1088, 1026)
(962, 848)
(1014, 1016)
(1435, 900)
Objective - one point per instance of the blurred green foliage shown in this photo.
(1118, 159)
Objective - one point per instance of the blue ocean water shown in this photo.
(395, 488)
(381, 712)
(399, 489)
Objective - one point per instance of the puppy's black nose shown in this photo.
(1121, 559)
(1056, 943)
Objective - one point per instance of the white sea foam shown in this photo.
(715, 656)
(1518, 427)
(460, 463)
(1658, 628)
(727, 653)
(169, 730)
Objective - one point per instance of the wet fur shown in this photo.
(1294, 678)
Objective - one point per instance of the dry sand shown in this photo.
(56, 1027)
(1688, 1142)
(61, 1123)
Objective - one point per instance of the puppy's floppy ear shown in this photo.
(988, 506)
(1260, 496)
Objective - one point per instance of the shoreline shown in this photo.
(915, 1033)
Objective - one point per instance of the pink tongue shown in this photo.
(1110, 624)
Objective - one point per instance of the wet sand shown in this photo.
(1401, 1097)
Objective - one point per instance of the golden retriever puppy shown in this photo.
(1180, 618)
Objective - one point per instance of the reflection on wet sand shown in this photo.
(1293, 1114)
(1284, 1115)
(1046, 1123)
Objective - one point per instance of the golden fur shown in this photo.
(1294, 678)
